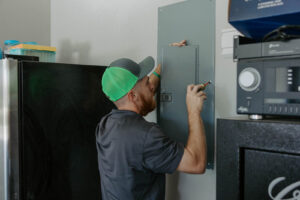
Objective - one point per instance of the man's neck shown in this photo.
(130, 108)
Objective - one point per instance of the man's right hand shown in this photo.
(195, 98)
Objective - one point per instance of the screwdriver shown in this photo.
(204, 85)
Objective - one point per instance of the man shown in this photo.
(134, 154)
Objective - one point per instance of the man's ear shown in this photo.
(131, 96)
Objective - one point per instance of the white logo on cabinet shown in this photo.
(243, 109)
(274, 45)
(290, 188)
(269, 4)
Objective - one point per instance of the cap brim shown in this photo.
(147, 66)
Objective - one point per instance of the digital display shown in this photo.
(287, 79)
(281, 101)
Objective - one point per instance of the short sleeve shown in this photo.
(161, 154)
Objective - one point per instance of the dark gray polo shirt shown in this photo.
(133, 157)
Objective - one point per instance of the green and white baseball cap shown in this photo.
(122, 75)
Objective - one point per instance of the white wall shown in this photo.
(25, 21)
(97, 32)
(225, 91)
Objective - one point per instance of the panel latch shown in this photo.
(165, 97)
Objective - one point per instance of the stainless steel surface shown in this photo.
(8, 129)
(4, 129)
(255, 117)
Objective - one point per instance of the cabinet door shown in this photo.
(179, 69)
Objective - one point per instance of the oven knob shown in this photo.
(249, 79)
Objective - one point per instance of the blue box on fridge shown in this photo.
(256, 18)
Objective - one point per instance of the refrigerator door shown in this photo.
(61, 106)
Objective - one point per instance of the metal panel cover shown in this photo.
(179, 70)
(193, 21)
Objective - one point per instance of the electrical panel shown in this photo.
(193, 21)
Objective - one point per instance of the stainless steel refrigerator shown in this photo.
(48, 116)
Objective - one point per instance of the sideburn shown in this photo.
(145, 106)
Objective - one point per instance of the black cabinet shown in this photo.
(258, 159)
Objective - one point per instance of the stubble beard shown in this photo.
(146, 106)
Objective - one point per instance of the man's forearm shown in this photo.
(197, 140)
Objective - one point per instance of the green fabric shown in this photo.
(117, 81)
